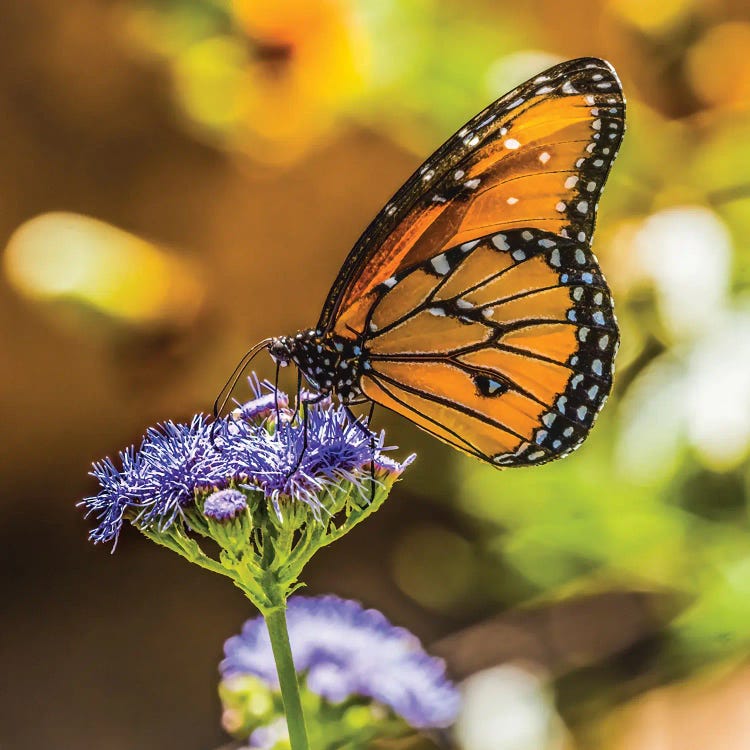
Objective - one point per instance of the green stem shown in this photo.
(282, 653)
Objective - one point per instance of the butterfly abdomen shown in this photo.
(331, 364)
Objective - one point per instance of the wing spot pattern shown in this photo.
(500, 241)
(440, 264)
(565, 424)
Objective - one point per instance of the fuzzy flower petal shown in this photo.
(260, 447)
(224, 505)
(344, 650)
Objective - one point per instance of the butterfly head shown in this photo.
(285, 350)
(280, 349)
(330, 364)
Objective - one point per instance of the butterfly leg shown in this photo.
(303, 404)
(366, 428)
(372, 451)
(276, 394)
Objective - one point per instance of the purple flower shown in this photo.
(158, 482)
(345, 651)
(224, 505)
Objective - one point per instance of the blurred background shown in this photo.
(181, 178)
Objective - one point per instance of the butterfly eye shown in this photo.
(280, 350)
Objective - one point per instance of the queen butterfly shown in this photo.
(473, 304)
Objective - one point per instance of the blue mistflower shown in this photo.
(343, 652)
(224, 505)
(259, 449)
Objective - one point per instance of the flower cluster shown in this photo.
(263, 447)
(269, 484)
(345, 651)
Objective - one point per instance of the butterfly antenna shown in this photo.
(226, 392)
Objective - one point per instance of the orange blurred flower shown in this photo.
(276, 78)
(309, 60)
(718, 67)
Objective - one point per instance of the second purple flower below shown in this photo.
(351, 659)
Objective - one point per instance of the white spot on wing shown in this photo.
(440, 264)
(500, 241)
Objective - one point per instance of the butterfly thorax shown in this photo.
(331, 364)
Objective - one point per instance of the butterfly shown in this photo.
(473, 304)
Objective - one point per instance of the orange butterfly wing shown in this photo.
(484, 314)
(507, 350)
(539, 156)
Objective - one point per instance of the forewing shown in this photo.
(538, 157)
(502, 347)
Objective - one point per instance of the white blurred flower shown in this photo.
(718, 392)
(686, 252)
(653, 427)
(508, 708)
(701, 395)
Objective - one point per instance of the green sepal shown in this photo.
(264, 549)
